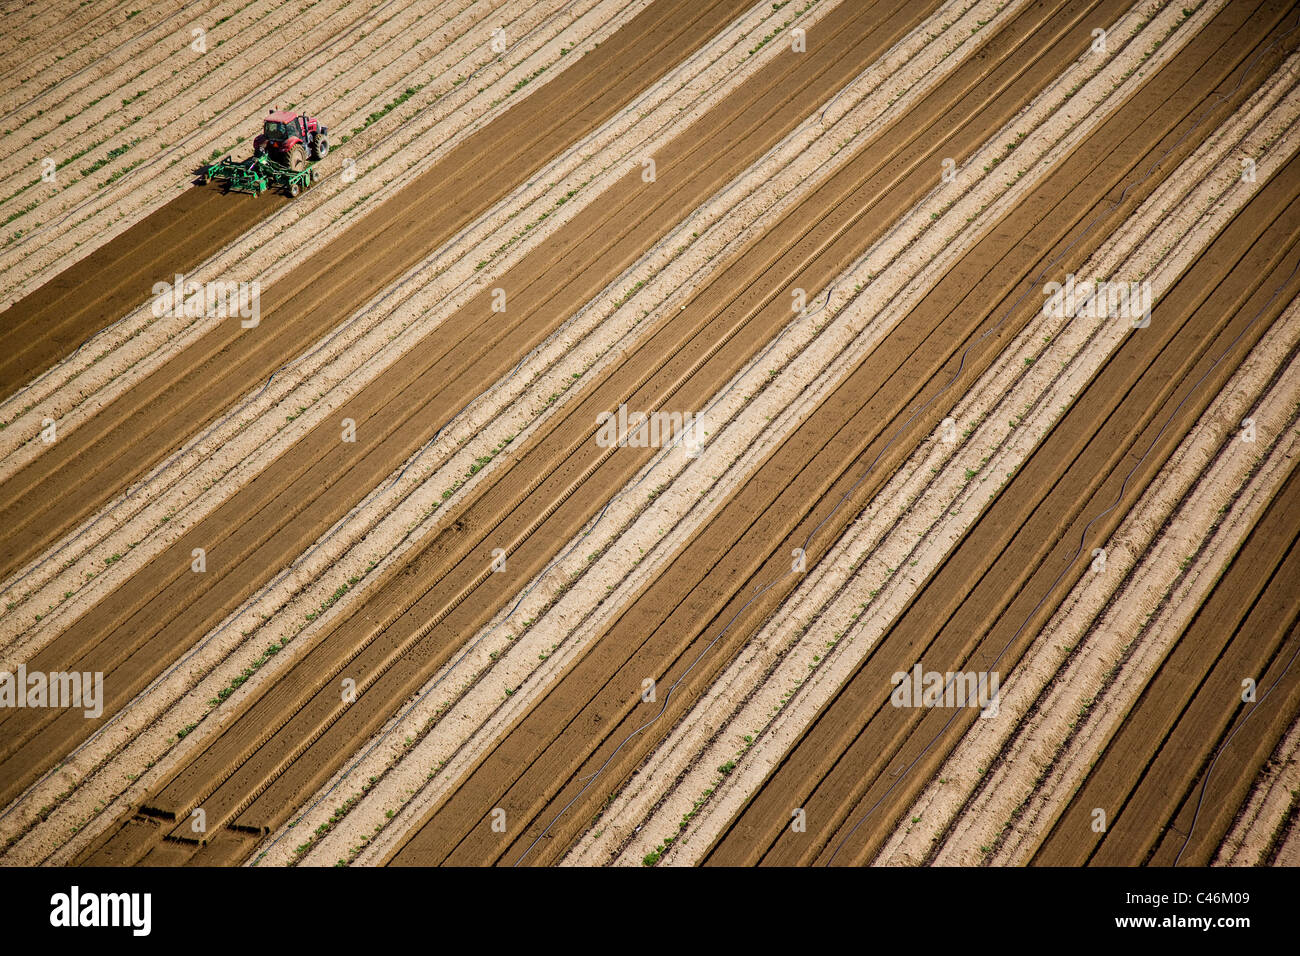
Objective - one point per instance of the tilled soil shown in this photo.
(655, 620)
(1171, 780)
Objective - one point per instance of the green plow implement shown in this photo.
(258, 174)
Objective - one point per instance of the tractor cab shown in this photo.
(291, 138)
(280, 127)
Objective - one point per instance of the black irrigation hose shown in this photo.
(1218, 753)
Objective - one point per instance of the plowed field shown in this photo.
(806, 433)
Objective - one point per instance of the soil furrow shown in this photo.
(41, 329)
(1183, 712)
(662, 627)
(989, 586)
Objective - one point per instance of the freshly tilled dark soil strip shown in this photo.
(989, 586)
(1183, 713)
(39, 330)
(87, 467)
(540, 764)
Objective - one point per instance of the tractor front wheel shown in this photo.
(322, 147)
(297, 159)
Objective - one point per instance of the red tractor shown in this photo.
(292, 139)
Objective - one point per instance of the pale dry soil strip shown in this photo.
(538, 644)
(545, 642)
(1270, 806)
(1288, 853)
(59, 26)
(74, 38)
(682, 752)
(963, 821)
(426, 495)
(74, 53)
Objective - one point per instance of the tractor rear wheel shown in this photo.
(297, 159)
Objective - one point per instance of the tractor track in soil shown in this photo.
(988, 585)
(86, 467)
(545, 757)
(556, 471)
